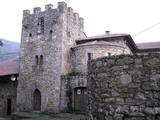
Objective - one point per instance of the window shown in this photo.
(36, 59)
(90, 56)
(30, 37)
(41, 25)
(50, 35)
(41, 60)
(41, 63)
(69, 34)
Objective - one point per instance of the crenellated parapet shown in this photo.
(44, 21)
(60, 7)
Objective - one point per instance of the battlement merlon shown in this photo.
(36, 10)
(75, 16)
(26, 13)
(81, 20)
(70, 10)
(81, 23)
(48, 7)
(62, 6)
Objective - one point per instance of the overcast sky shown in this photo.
(116, 16)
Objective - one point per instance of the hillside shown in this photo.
(8, 50)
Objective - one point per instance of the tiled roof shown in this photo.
(149, 45)
(103, 36)
(96, 43)
(9, 67)
(108, 37)
(8, 50)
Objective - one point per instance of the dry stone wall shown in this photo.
(125, 87)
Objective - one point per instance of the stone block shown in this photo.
(152, 62)
(120, 62)
(129, 101)
(135, 118)
(126, 79)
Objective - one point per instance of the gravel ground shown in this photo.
(41, 116)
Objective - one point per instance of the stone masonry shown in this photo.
(125, 87)
(97, 49)
(7, 92)
(47, 37)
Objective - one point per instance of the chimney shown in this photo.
(107, 32)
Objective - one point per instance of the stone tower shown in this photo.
(45, 56)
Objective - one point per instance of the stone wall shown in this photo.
(125, 87)
(73, 28)
(7, 91)
(41, 36)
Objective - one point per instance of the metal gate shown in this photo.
(37, 100)
(80, 99)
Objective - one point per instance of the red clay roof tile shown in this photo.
(9, 67)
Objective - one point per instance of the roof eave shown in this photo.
(132, 45)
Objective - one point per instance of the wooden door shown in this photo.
(37, 100)
(80, 99)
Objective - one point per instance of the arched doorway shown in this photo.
(37, 100)
(80, 99)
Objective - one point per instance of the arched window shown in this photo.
(37, 100)
(50, 35)
(41, 60)
(30, 37)
(36, 59)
